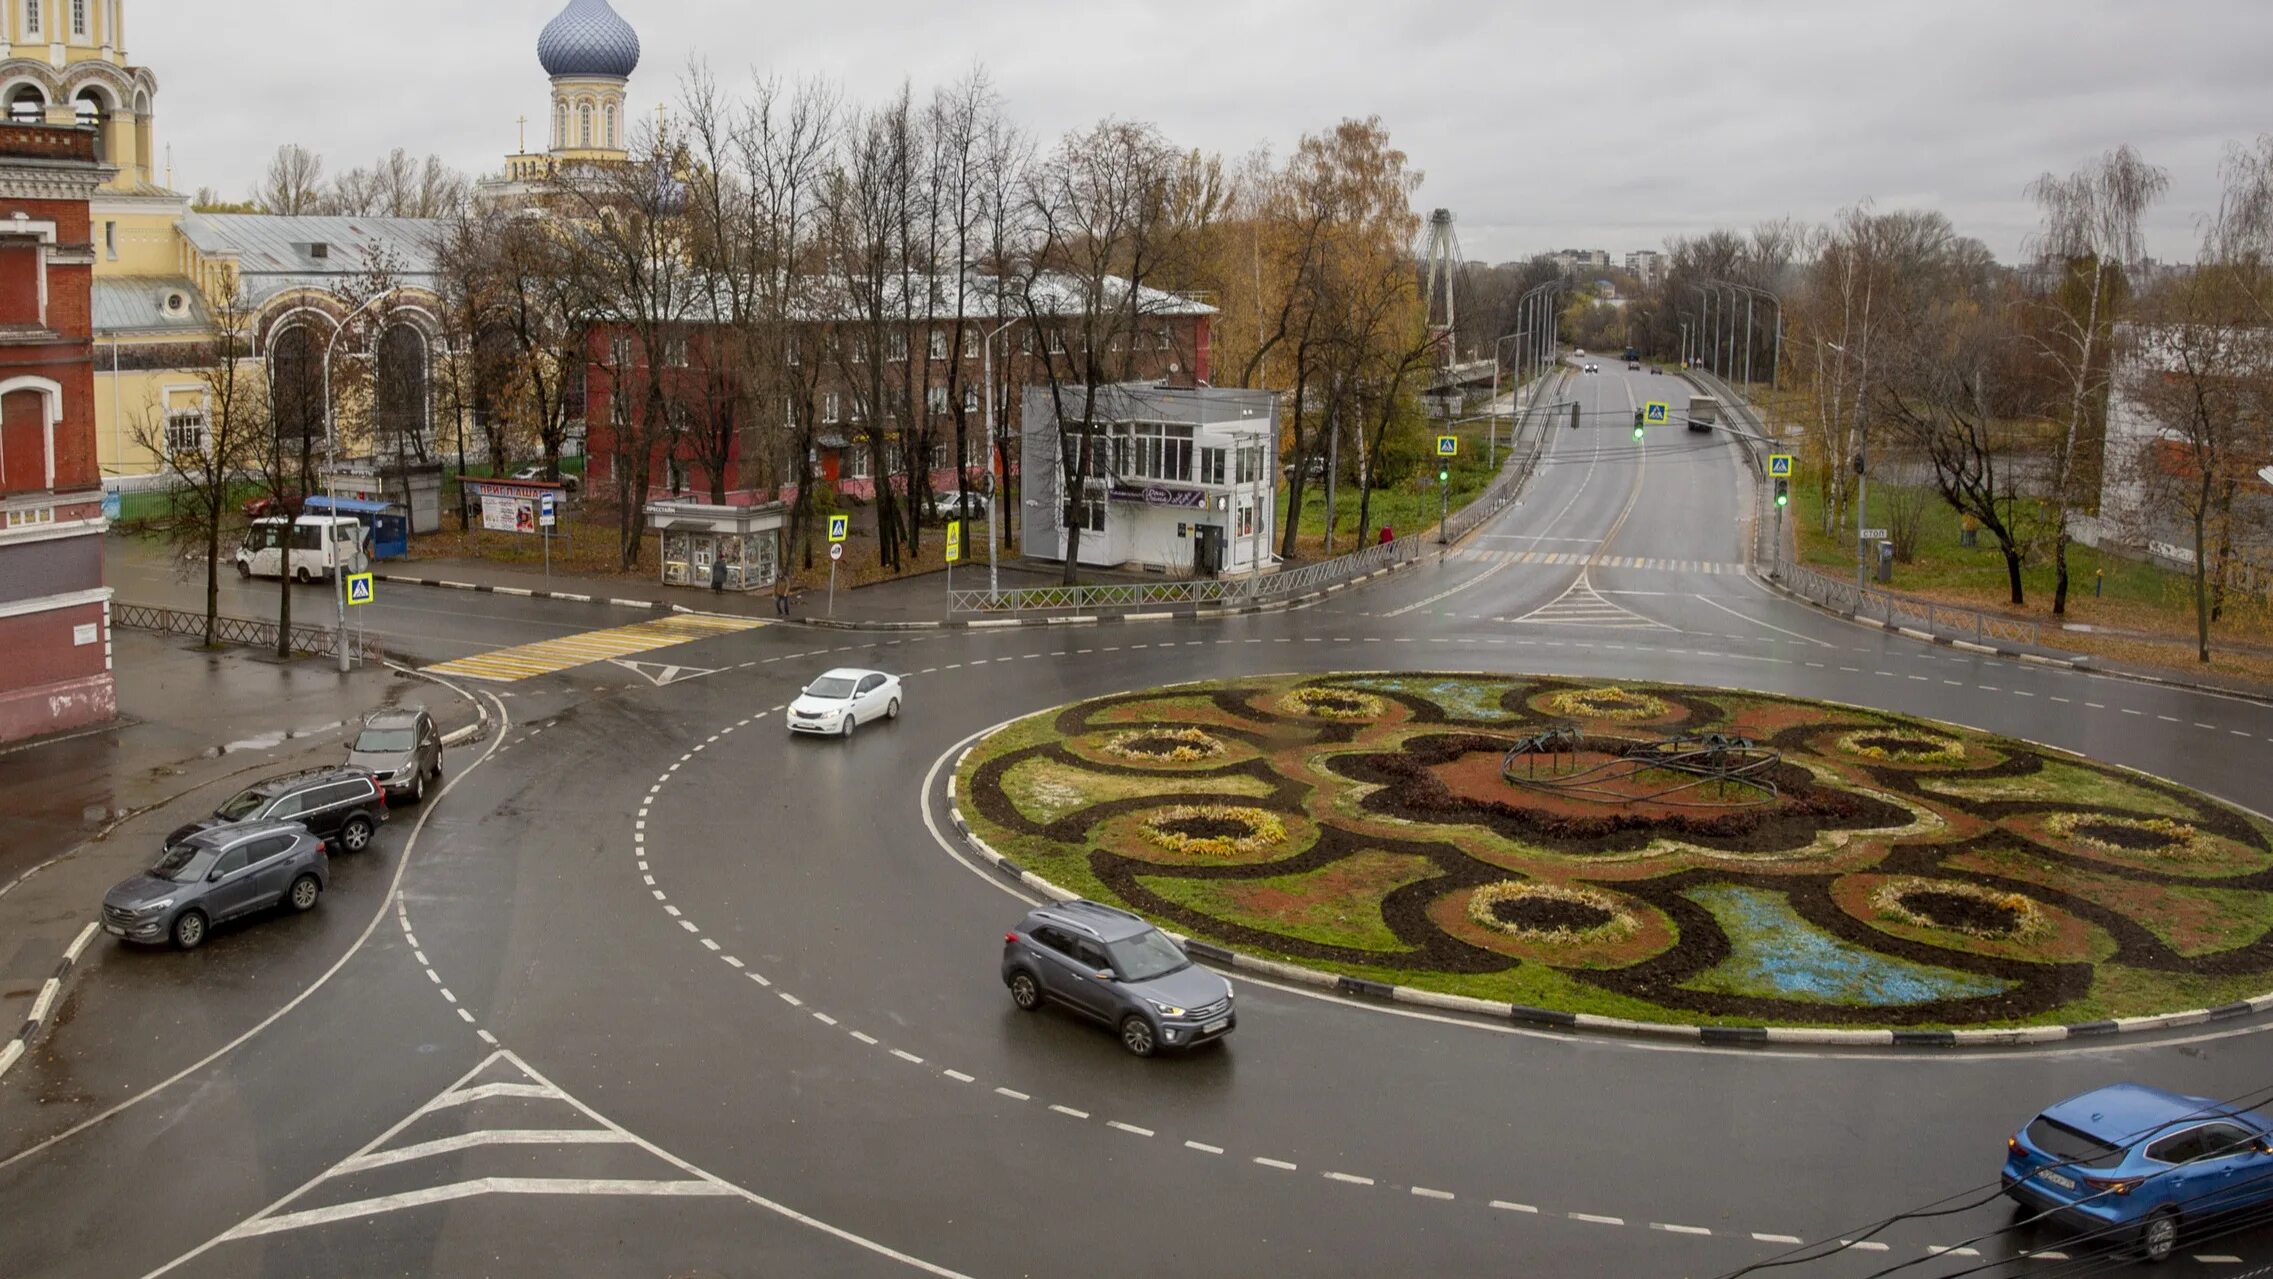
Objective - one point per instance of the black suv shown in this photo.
(1108, 964)
(342, 804)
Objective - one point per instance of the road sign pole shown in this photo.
(1444, 506)
(832, 588)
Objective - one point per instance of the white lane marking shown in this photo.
(466, 1190)
(711, 944)
(1599, 1221)
(961, 1078)
(1014, 1094)
(1349, 1177)
(1203, 1147)
(1786, 1239)
(1506, 1206)
(1757, 622)
(827, 1020)
(1129, 1128)
(906, 1056)
(1672, 1229)
(486, 1137)
(868, 1039)
(1424, 1192)
(1280, 1164)
(1068, 1110)
(789, 999)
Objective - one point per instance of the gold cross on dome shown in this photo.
(523, 121)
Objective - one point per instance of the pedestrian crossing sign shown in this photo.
(1656, 413)
(840, 527)
(359, 588)
(954, 541)
(1448, 446)
(1779, 466)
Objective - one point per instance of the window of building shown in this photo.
(1057, 341)
(856, 463)
(27, 107)
(675, 350)
(1025, 341)
(832, 408)
(32, 17)
(1166, 338)
(1246, 520)
(79, 17)
(970, 398)
(1152, 451)
(619, 351)
(185, 433)
(942, 456)
(939, 344)
(1211, 466)
(609, 114)
(584, 125)
(935, 399)
(110, 240)
(896, 345)
(970, 344)
(559, 124)
(789, 349)
(1089, 513)
(1249, 464)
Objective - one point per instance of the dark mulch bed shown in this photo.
(2133, 838)
(1900, 746)
(1966, 914)
(1160, 746)
(1206, 828)
(1550, 914)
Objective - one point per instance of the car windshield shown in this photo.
(834, 688)
(183, 863)
(2069, 1146)
(245, 804)
(383, 740)
(1146, 956)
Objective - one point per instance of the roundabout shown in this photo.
(1636, 851)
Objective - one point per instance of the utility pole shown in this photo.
(331, 478)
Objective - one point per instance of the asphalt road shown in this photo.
(652, 990)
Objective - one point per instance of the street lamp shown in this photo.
(1862, 470)
(1491, 426)
(331, 479)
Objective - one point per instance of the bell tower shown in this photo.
(65, 62)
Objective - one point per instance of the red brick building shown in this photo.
(54, 608)
(830, 405)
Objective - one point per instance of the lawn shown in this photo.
(1874, 871)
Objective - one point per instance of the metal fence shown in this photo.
(1523, 460)
(318, 641)
(1833, 593)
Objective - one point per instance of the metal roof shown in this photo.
(275, 253)
(137, 303)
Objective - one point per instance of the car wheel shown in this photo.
(418, 789)
(850, 719)
(189, 930)
(1025, 992)
(1136, 1036)
(244, 571)
(355, 834)
(300, 575)
(892, 709)
(2159, 1238)
(304, 892)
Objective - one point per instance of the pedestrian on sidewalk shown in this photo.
(1388, 535)
(781, 595)
(717, 576)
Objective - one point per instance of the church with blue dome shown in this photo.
(589, 52)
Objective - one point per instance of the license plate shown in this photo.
(2064, 1183)
(1214, 1026)
(114, 930)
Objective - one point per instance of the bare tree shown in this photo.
(2091, 233)
(207, 447)
(294, 182)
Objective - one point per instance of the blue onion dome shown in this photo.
(588, 39)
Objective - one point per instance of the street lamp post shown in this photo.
(331, 480)
(1491, 424)
(994, 486)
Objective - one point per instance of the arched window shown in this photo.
(399, 393)
(559, 125)
(32, 16)
(296, 385)
(93, 112)
(27, 105)
(610, 113)
(143, 145)
(584, 125)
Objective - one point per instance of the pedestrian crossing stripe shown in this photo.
(525, 661)
(1607, 561)
(1581, 605)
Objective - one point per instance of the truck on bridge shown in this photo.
(1704, 412)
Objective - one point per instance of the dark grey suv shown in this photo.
(1108, 964)
(342, 804)
(402, 749)
(213, 876)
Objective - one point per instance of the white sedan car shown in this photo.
(844, 699)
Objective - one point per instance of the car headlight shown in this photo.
(1170, 1010)
(154, 907)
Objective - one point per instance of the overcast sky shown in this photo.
(1609, 125)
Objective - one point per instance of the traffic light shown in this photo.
(1637, 424)
(1444, 475)
(1783, 493)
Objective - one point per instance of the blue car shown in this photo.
(2136, 1164)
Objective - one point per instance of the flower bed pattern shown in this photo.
(1907, 874)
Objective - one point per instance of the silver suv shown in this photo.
(1108, 964)
(401, 749)
(212, 876)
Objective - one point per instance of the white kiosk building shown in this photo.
(1181, 480)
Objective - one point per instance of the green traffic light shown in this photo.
(1444, 477)
(1637, 432)
(1783, 499)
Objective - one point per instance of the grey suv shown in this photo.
(1108, 964)
(216, 875)
(402, 749)
(337, 803)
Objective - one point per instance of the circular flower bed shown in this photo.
(1610, 702)
(1214, 830)
(1548, 912)
(1958, 907)
(1903, 746)
(1333, 703)
(1907, 874)
(1165, 745)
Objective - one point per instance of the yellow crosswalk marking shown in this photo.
(524, 661)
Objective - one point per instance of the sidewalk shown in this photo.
(81, 812)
